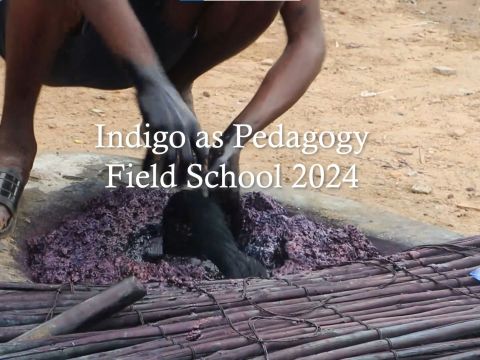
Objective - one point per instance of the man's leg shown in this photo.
(34, 31)
(224, 29)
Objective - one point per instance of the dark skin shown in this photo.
(37, 28)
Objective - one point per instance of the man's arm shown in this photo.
(162, 107)
(287, 80)
(294, 71)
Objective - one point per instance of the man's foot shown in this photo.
(15, 168)
(4, 217)
(11, 189)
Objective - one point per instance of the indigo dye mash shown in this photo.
(106, 242)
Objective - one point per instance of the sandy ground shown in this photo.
(425, 127)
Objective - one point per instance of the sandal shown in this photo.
(11, 189)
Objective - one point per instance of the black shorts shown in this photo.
(84, 59)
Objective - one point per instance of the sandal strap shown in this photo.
(11, 188)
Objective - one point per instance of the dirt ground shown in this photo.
(424, 127)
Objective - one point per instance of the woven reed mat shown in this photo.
(420, 304)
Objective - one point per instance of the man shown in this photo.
(158, 46)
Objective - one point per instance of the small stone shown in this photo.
(98, 112)
(450, 196)
(52, 126)
(206, 94)
(457, 133)
(444, 70)
(403, 151)
(367, 94)
(470, 189)
(267, 62)
(465, 92)
(420, 188)
(353, 45)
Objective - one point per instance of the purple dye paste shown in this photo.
(290, 243)
(96, 246)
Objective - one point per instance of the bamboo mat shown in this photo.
(420, 304)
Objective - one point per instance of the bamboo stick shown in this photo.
(252, 350)
(469, 355)
(430, 349)
(25, 286)
(356, 338)
(104, 304)
(439, 334)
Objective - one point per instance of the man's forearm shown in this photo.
(285, 83)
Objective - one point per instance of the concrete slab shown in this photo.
(61, 183)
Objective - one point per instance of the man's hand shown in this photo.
(163, 109)
(227, 153)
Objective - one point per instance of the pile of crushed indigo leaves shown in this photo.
(104, 243)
